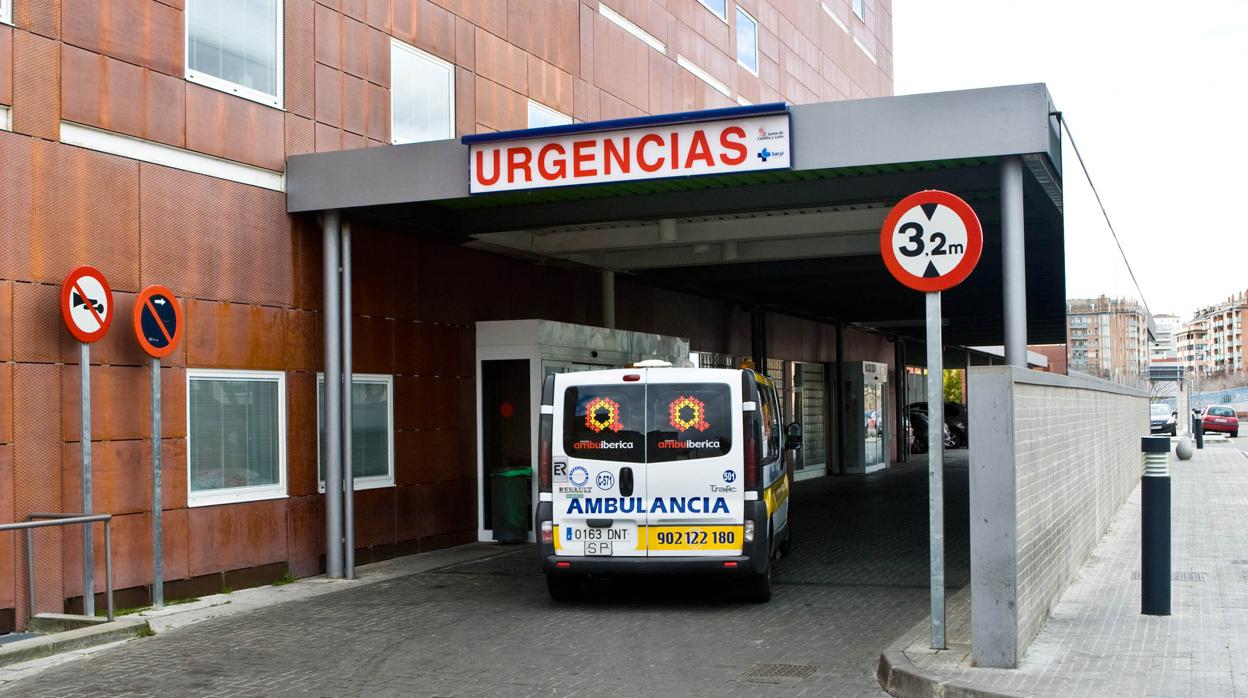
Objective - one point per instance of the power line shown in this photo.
(1061, 119)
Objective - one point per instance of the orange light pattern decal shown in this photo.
(697, 413)
(603, 413)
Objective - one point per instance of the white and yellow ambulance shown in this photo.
(654, 469)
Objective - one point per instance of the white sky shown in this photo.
(1155, 94)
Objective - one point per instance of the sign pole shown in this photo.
(935, 467)
(158, 547)
(88, 551)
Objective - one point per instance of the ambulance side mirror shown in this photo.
(793, 436)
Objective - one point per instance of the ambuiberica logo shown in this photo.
(688, 413)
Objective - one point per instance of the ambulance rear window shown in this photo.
(688, 420)
(605, 422)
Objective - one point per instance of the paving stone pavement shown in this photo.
(856, 580)
(1097, 643)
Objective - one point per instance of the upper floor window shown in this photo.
(422, 96)
(719, 7)
(541, 115)
(747, 41)
(860, 9)
(372, 430)
(236, 46)
(6, 11)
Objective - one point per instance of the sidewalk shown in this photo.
(1096, 643)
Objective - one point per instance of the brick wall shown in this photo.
(1052, 459)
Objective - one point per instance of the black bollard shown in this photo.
(1155, 527)
(1198, 430)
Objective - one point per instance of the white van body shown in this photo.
(664, 470)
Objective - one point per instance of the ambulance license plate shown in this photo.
(597, 548)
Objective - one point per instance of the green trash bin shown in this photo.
(510, 493)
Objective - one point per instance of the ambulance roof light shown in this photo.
(653, 363)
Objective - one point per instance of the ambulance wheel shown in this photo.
(563, 587)
(758, 587)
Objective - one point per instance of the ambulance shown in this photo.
(661, 470)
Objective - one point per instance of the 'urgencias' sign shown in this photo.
(646, 152)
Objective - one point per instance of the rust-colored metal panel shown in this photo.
(353, 91)
(439, 449)
(328, 33)
(373, 344)
(121, 477)
(377, 70)
(465, 44)
(550, 85)
(204, 540)
(174, 523)
(407, 456)
(237, 239)
(407, 504)
(226, 335)
(501, 62)
(377, 112)
(498, 107)
(6, 65)
(465, 102)
(301, 429)
(37, 470)
(300, 136)
(355, 47)
(327, 137)
(306, 517)
(8, 563)
(374, 517)
(385, 253)
(36, 85)
(353, 141)
(377, 14)
(304, 348)
(449, 507)
(120, 402)
(446, 402)
(252, 534)
(164, 108)
(328, 96)
(409, 410)
(306, 234)
(233, 128)
(426, 26)
(6, 411)
(173, 402)
(57, 226)
(173, 466)
(437, 349)
(299, 49)
(6, 320)
(37, 323)
(141, 32)
(547, 30)
(40, 16)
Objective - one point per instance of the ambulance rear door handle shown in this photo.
(599, 523)
(626, 481)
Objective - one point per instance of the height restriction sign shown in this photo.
(931, 241)
(86, 304)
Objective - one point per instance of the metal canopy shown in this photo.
(802, 241)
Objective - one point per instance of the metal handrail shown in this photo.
(34, 521)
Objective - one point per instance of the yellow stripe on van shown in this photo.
(775, 495)
(727, 538)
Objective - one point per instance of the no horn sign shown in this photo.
(157, 321)
(931, 241)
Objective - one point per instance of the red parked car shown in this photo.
(1220, 418)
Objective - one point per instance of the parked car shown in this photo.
(1162, 420)
(1220, 418)
(916, 424)
(955, 422)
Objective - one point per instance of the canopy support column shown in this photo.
(331, 453)
(1013, 261)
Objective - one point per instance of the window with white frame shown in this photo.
(236, 436)
(541, 115)
(747, 41)
(860, 9)
(5, 119)
(719, 7)
(236, 46)
(6, 11)
(422, 95)
(372, 432)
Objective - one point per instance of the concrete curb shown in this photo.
(91, 635)
(901, 678)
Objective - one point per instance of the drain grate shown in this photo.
(781, 671)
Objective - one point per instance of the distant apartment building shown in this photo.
(1164, 349)
(1212, 342)
(1107, 337)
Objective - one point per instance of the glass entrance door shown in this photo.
(875, 415)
